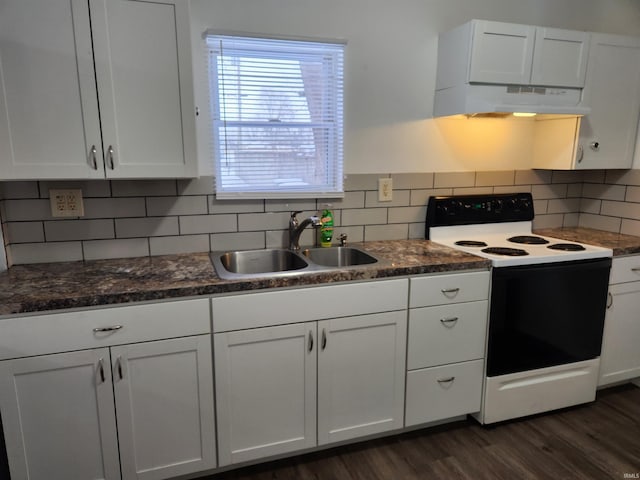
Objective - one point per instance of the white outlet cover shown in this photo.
(385, 189)
(66, 203)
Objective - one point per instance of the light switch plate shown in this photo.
(385, 189)
(66, 203)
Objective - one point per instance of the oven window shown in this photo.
(545, 315)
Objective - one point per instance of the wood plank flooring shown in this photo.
(596, 441)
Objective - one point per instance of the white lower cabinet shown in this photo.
(118, 411)
(620, 357)
(284, 388)
(446, 346)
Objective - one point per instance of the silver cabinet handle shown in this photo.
(310, 342)
(112, 328)
(635, 269)
(101, 369)
(110, 157)
(609, 300)
(580, 153)
(324, 339)
(449, 322)
(119, 367)
(450, 290)
(92, 157)
(446, 380)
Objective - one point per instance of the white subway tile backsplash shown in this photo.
(208, 224)
(401, 198)
(143, 188)
(386, 232)
(407, 214)
(238, 241)
(189, 205)
(248, 222)
(412, 181)
(49, 252)
(90, 188)
(25, 210)
(24, 232)
(600, 222)
(178, 244)
(16, 190)
(146, 227)
(67, 230)
(235, 206)
(490, 179)
(119, 248)
(196, 186)
(370, 216)
(132, 218)
(114, 207)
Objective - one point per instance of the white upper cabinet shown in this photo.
(512, 54)
(605, 138)
(62, 60)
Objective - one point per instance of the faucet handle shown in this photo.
(343, 239)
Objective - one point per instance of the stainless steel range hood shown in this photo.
(495, 67)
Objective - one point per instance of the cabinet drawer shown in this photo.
(444, 289)
(443, 392)
(252, 310)
(446, 334)
(625, 269)
(61, 332)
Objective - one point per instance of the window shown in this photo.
(277, 108)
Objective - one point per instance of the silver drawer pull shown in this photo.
(450, 290)
(449, 322)
(113, 328)
(635, 269)
(446, 380)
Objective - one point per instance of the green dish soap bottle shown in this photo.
(326, 230)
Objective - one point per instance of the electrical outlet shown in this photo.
(385, 189)
(66, 203)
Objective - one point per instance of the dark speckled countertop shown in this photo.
(53, 286)
(619, 243)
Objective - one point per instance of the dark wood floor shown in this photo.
(596, 441)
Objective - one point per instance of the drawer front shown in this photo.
(79, 330)
(445, 289)
(625, 269)
(446, 334)
(253, 310)
(443, 392)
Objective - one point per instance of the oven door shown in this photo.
(547, 314)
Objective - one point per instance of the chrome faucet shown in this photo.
(296, 228)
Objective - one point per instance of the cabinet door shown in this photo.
(620, 357)
(48, 103)
(164, 399)
(143, 71)
(265, 391)
(560, 57)
(612, 90)
(361, 372)
(501, 53)
(58, 416)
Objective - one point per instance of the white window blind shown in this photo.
(277, 108)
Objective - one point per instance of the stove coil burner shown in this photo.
(567, 247)
(470, 243)
(509, 252)
(528, 239)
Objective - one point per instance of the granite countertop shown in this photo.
(53, 286)
(619, 243)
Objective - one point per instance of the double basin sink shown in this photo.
(281, 262)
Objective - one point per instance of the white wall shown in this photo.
(391, 64)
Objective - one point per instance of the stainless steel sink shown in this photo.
(256, 262)
(245, 264)
(339, 256)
